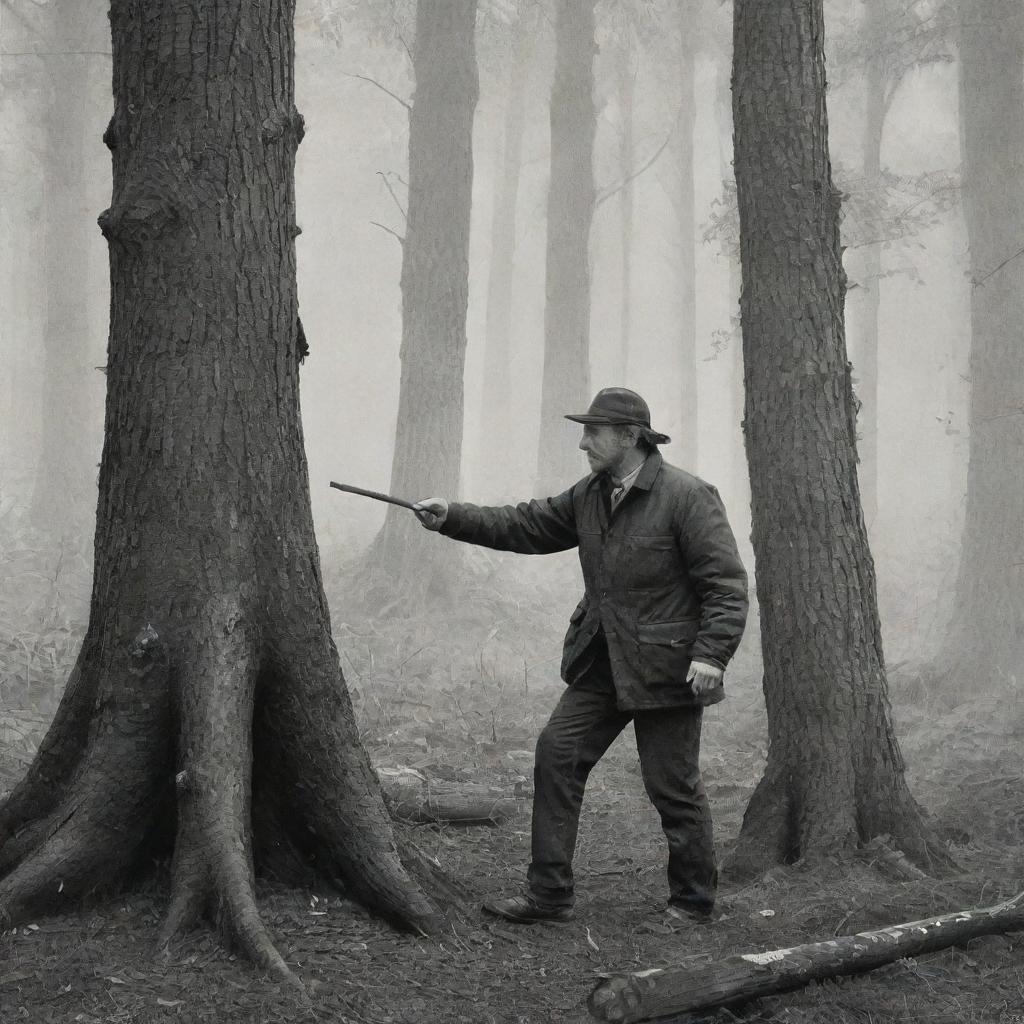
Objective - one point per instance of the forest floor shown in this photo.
(461, 694)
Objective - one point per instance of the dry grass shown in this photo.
(461, 693)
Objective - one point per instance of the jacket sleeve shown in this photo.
(716, 572)
(538, 527)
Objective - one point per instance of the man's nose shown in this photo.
(584, 443)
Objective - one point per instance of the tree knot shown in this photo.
(146, 642)
(139, 221)
(284, 122)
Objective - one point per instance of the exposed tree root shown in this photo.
(57, 757)
(767, 836)
(213, 864)
(108, 807)
(777, 831)
(319, 813)
(333, 788)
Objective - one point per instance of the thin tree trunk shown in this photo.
(64, 496)
(207, 702)
(687, 207)
(496, 420)
(834, 774)
(23, 83)
(627, 87)
(866, 365)
(738, 464)
(566, 381)
(435, 284)
(986, 636)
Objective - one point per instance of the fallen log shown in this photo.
(688, 988)
(412, 797)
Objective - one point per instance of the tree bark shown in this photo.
(687, 207)
(688, 988)
(495, 420)
(570, 211)
(986, 635)
(435, 285)
(207, 703)
(835, 774)
(64, 496)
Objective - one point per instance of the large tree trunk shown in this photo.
(986, 636)
(566, 382)
(435, 284)
(64, 497)
(687, 213)
(834, 774)
(207, 703)
(496, 419)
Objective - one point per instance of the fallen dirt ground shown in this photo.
(465, 700)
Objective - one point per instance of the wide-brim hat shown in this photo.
(620, 406)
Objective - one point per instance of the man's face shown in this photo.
(605, 445)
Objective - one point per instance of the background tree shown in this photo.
(207, 707)
(834, 774)
(20, 88)
(890, 40)
(690, 30)
(570, 210)
(986, 634)
(627, 68)
(64, 495)
(495, 419)
(435, 282)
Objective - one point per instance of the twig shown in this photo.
(387, 185)
(405, 46)
(384, 227)
(383, 88)
(1009, 259)
(613, 189)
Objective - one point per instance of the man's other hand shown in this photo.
(431, 512)
(704, 678)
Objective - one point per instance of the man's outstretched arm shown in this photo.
(537, 527)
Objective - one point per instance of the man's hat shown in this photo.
(620, 405)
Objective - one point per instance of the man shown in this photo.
(663, 611)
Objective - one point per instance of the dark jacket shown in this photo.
(663, 577)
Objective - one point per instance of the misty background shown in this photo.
(55, 179)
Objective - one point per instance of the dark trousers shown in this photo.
(581, 728)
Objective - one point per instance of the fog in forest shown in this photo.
(573, 161)
(353, 76)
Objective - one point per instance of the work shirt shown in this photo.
(621, 487)
(663, 578)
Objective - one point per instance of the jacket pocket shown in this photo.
(574, 642)
(665, 648)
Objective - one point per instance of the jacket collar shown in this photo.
(645, 478)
